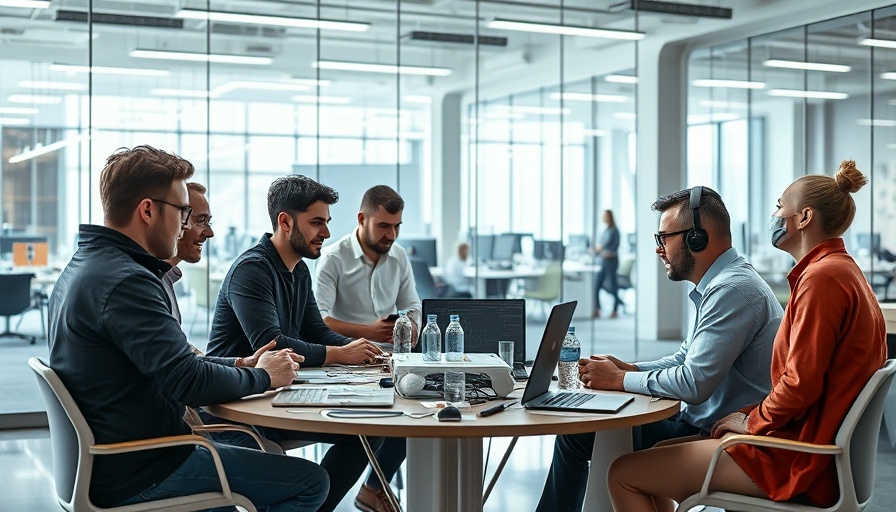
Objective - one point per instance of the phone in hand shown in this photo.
(391, 318)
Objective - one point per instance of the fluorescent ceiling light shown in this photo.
(595, 133)
(416, 98)
(181, 93)
(380, 68)
(815, 95)
(14, 121)
(49, 148)
(880, 43)
(625, 116)
(566, 30)
(60, 86)
(888, 123)
(582, 96)
(201, 57)
(890, 75)
(621, 79)
(37, 100)
(731, 84)
(722, 104)
(530, 109)
(277, 21)
(259, 86)
(22, 111)
(310, 81)
(716, 117)
(26, 4)
(323, 100)
(107, 70)
(807, 66)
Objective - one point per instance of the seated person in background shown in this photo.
(722, 366)
(267, 295)
(361, 279)
(124, 359)
(454, 271)
(831, 341)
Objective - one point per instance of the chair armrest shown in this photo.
(223, 427)
(765, 441)
(166, 442)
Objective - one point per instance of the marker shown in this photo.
(496, 409)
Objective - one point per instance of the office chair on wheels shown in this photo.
(15, 300)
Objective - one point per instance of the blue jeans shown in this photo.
(273, 483)
(564, 490)
(344, 462)
(389, 456)
(608, 272)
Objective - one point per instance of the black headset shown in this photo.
(697, 238)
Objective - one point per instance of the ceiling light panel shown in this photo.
(880, 43)
(365, 67)
(807, 66)
(25, 4)
(729, 84)
(276, 21)
(108, 70)
(814, 95)
(582, 96)
(34, 99)
(59, 86)
(216, 58)
(565, 30)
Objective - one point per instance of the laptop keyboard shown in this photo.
(297, 396)
(568, 399)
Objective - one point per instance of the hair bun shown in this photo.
(848, 178)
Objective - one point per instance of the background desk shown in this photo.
(445, 466)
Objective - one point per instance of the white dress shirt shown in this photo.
(351, 288)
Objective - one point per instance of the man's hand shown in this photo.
(280, 365)
(735, 423)
(250, 362)
(414, 334)
(381, 330)
(601, 373)
(359, 351)
(622, 365)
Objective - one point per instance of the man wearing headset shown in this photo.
(722, 366)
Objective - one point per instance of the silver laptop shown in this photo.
(342, 396)
(537, 394)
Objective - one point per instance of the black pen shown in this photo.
(496, 409)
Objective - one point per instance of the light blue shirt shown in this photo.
(724, 364)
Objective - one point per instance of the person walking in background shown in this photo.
(609, 264)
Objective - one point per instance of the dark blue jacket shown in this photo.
(260, 300)
(124, 359)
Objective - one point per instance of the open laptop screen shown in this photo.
(485, 322)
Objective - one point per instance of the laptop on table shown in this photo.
(538, 395)
(341, 396)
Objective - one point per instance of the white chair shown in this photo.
(74, 449)
(854, 451)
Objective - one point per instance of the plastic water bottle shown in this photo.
(568, 367)
(454, 340)
(432, 339)
(401, 334)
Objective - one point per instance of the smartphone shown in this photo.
(391, 318)
(519, 372)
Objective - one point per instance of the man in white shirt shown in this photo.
(361, 280)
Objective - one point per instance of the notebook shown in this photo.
(343, 396)
(537, 394)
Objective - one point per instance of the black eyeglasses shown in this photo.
(185, 211)
(661, 237)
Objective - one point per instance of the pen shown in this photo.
(496, 409)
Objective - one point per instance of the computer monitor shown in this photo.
(505, 246)
(485, 322)
(579, 243)
(30, 254)
(481, 248)
(869, 241)
(421, 248)
(548, 250)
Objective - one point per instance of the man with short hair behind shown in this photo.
(126, 362)
(267, 295)
(722, 366)
(189, 246)
(361, 280)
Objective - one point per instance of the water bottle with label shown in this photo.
(432, 339)
(568, 367)
(401, 334)
(454, 340)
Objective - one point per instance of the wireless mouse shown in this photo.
(449, 413)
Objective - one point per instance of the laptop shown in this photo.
(537, 394)
(342, 396)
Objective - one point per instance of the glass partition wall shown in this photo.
(485, 125)
(768, 109)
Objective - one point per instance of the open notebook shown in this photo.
(343, 396)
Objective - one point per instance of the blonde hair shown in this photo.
(831, 196)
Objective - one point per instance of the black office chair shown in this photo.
(427, 288)
(15, 300)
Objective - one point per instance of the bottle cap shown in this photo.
(432, 318)
(572, 330)
(402, 312)
(455, 318)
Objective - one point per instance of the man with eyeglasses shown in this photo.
(722, 366)
(126, 361)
